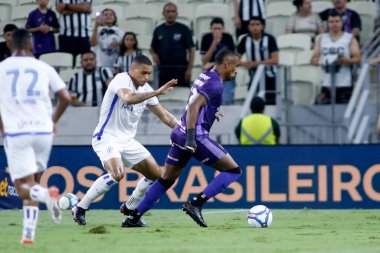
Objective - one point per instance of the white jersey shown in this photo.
(118, 121)
(25, 104)
(330, 51)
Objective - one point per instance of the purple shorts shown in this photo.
(208, 151)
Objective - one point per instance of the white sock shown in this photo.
(29, 222)
(138, 193)
(39, 193)
(100, 186)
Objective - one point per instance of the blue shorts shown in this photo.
(208, 151)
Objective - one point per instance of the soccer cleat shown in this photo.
(195, 213)
(27, 237)
(79, 215)
(52, 204)
(126, 223)
(124, 210)
(26, 241)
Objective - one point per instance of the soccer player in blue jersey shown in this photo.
(190, 138)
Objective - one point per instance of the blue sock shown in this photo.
(154, 193)
(220, 182)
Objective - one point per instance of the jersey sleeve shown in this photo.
(210, 90)
(120, 81)
(56, 82)
(152, 100)
(241, 46)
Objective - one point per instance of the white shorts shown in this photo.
(131, 152)
(27, 154)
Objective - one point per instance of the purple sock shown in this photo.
(220, 182)
(155, 191)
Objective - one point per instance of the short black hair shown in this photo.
(222, 54)
(87, 52)
(9, 28)
(142, 59)
(257, 18)
(257, 105)
(217, 21)
(298, 3)
(334, 13)
(20, 39)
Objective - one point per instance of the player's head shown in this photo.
(129, 41)
(226, 62)
(257, 105)
(88, 61)
(43, 3)
(21, 40)
(256, 25)
(141, 69)
(7, 31)
(335, 22)
(170, 13)
(110, 17)
(217, 25)
(302, 5)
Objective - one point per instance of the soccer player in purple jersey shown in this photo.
(190, 138)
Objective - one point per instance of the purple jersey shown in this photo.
(210, 85)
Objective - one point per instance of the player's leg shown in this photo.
(151, 171)
(214, 155)
(22, 153)
(175, 162)
(109, 154)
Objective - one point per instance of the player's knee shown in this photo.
(166, 183)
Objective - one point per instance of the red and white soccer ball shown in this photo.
(259, 217)
(67, 201)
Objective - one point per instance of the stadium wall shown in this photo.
(279, 176)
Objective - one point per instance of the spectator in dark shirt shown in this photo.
(42, 23)
(5, 46)
(211, 44)
(173, 49)
(351, 19)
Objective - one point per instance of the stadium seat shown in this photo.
(142, 12)
(306, 81)
(198, 59)
(5, 15)
(294, 42)
(8, 2)
(204, 14)
(304, 57)
(59, 60)
(242, 79)
(119, 10)
(367, 12)
(27, 2)
(20, 13)
(180, 94)
(66, 74)
(197, 70)
(319, 6)
(278, 14)
(136, 26)
(144, 41)
(119, 2)
(287, 58)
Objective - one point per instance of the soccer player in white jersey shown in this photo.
(126, 97)
(27, 123)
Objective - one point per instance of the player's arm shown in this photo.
(163, 115)
(191, 120)
(130, 98)
(64, 100)
(355, 52)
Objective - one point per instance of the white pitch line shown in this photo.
(226, 211)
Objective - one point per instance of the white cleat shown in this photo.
(52, 205)
(27, 237)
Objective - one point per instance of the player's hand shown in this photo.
(167, 87)
(218, 115)
(44, 28)
(191, 144)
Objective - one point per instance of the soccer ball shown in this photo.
(259, 217)
(67, 201)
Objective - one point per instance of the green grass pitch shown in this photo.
(292, 231)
